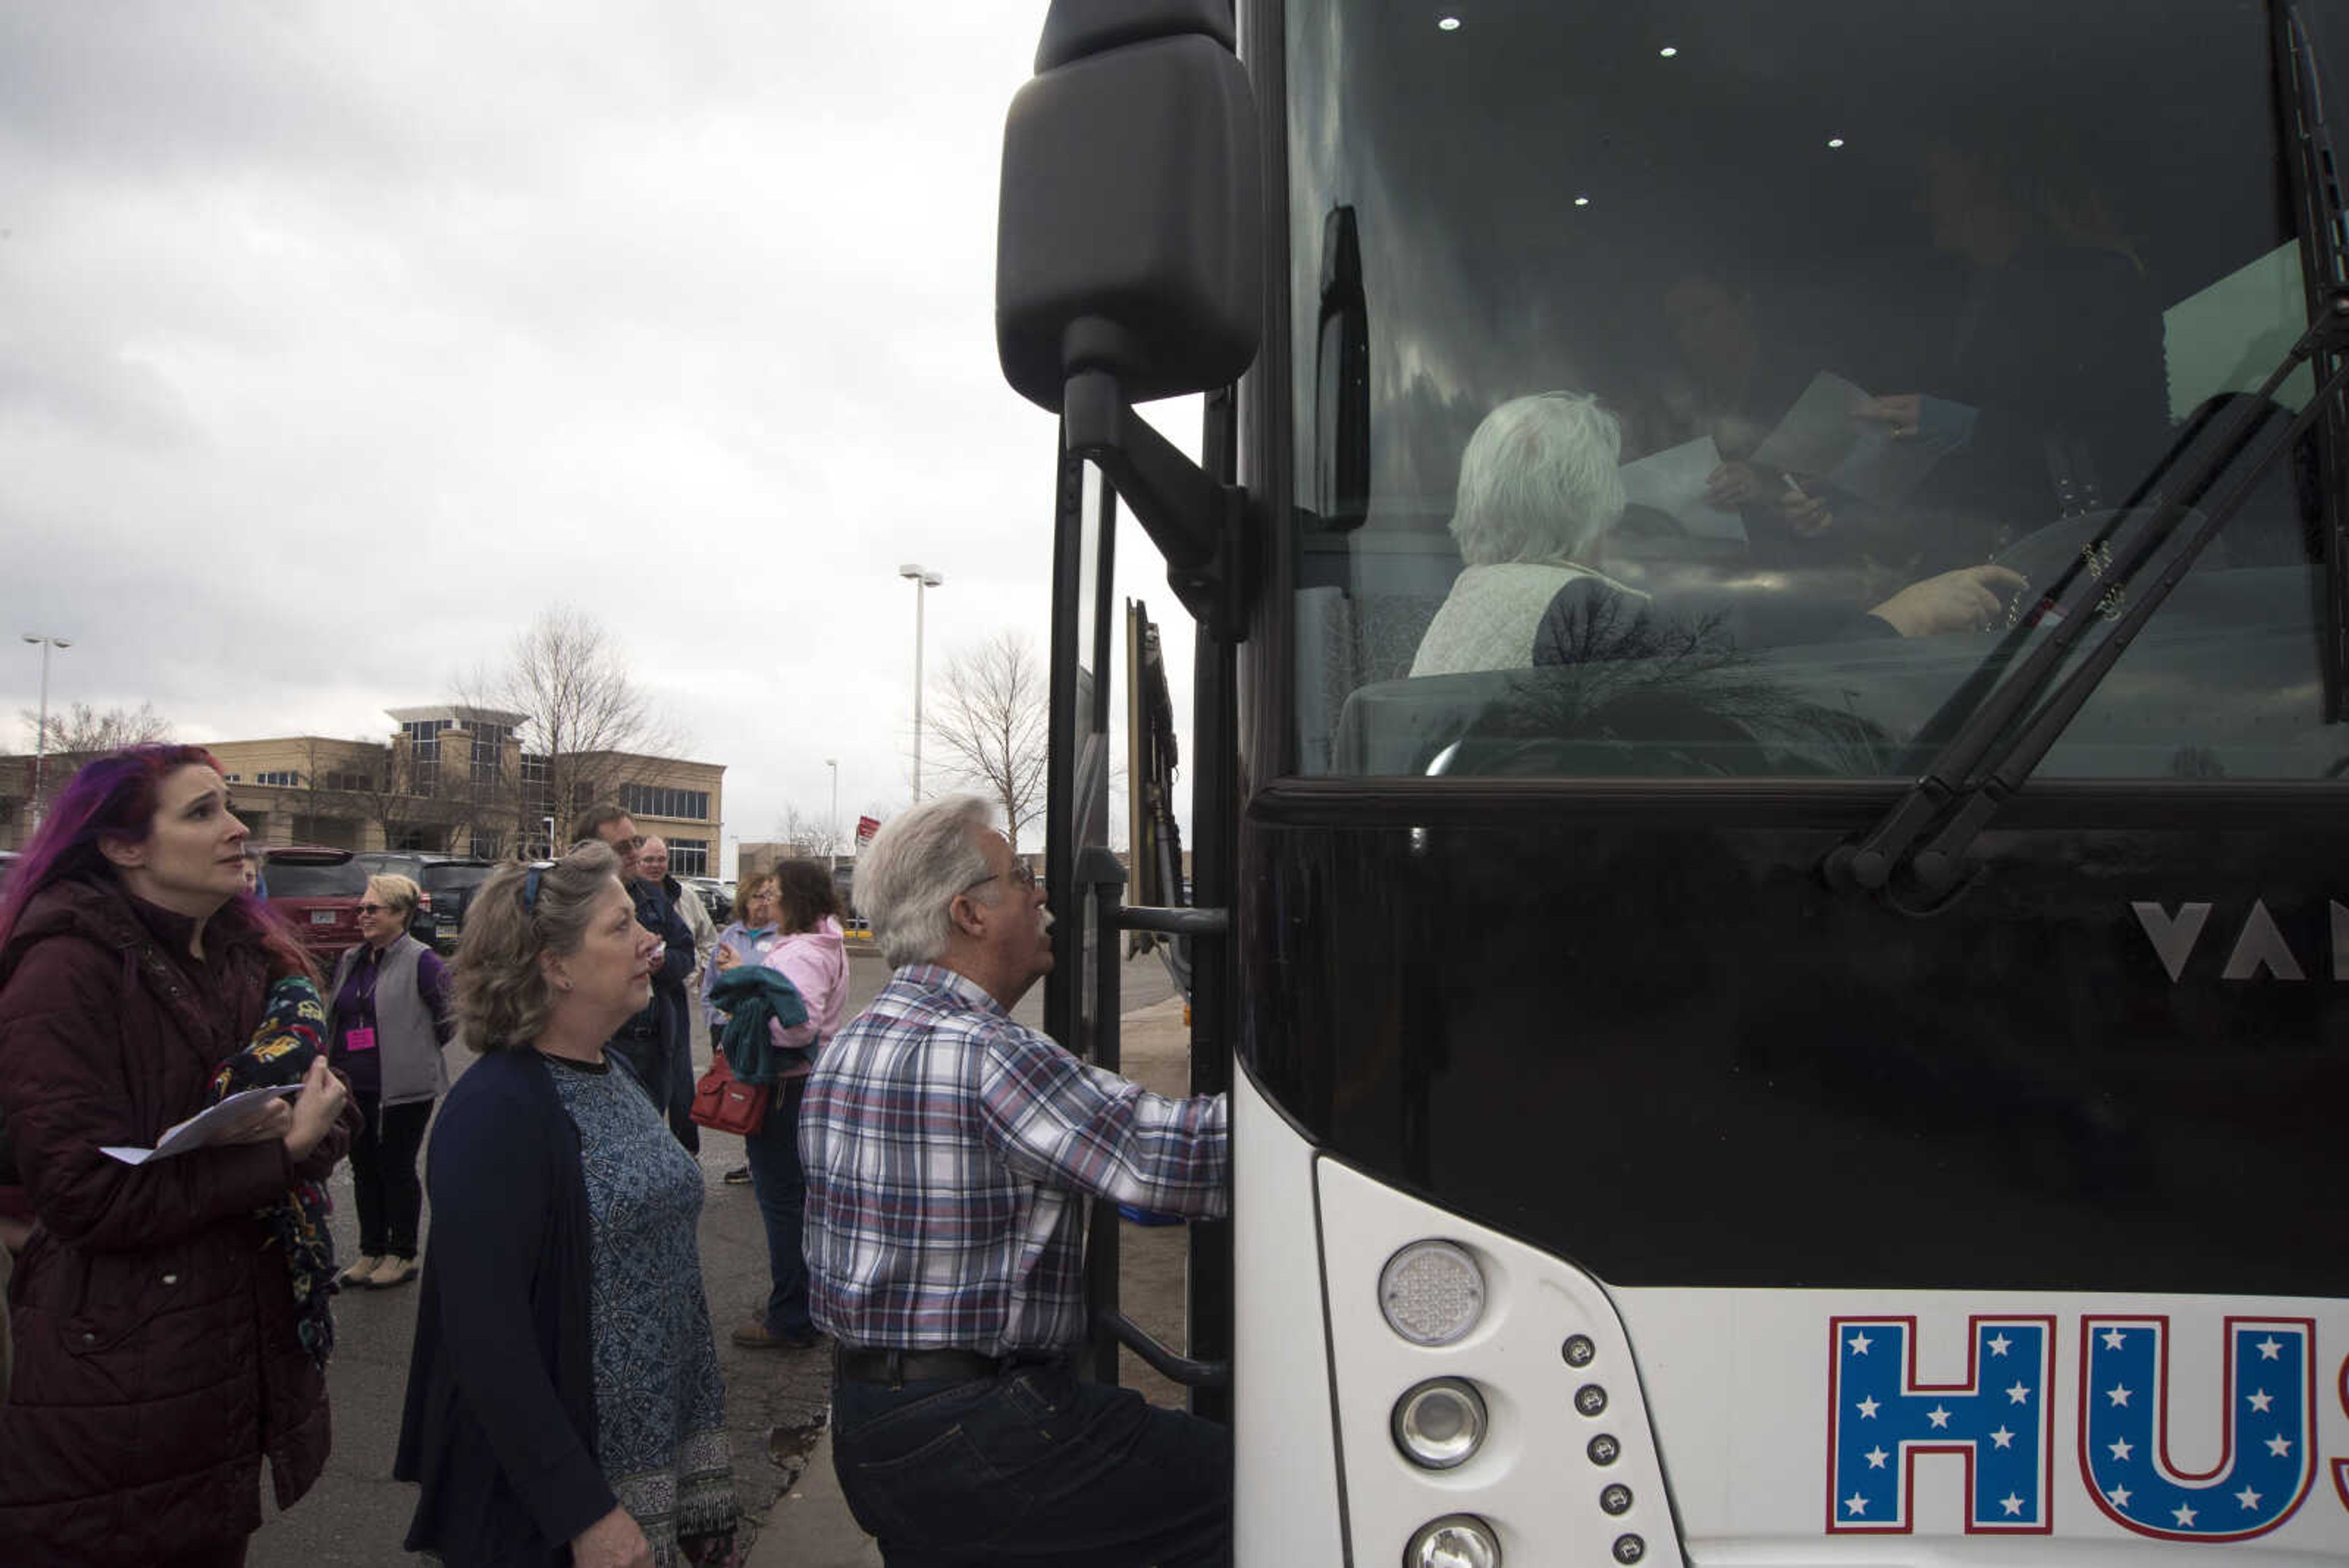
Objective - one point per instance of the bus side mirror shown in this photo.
(1130, 227)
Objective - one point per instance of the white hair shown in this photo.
(918, 861)
(1539, 481)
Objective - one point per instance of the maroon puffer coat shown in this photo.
(156, 1357)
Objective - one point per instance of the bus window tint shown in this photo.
(1728, 405)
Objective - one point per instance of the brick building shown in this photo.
(449, 779)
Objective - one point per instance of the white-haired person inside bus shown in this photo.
(1540, 489)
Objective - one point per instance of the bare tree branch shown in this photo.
(82, 731)
(583, 722)
(77, 733)
(808, 833)
(991, 719)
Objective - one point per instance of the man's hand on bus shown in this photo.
(1968, 599)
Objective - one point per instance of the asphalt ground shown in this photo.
(776, 1401)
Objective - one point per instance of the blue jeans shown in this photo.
(781, 1186)
(1033, 1467)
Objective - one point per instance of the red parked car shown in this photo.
(318, 890)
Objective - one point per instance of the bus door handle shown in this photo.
(1176, 1368)
(1178, 922)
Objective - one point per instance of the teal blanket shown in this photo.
(750, 997)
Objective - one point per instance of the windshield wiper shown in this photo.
(1992, 754)
(2316, 191)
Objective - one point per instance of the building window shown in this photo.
(489, 751)
(424, 751)
(282, 777)
(688, 857)
(652, 800)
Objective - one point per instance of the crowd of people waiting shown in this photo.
(920, 1170)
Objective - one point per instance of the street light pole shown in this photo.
(833, 827)
(924, 579)
(41, 736)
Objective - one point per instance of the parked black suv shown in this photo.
(448, 881)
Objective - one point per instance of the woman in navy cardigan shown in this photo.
(553, 1183)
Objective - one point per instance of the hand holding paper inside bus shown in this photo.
(214, 1125)
(1675, 483)
(1858, 443)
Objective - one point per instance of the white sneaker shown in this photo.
(394, 1271)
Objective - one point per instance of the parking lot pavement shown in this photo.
(776, 1401)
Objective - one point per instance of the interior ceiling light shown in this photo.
(1449, 24)
(1835, 141)
(1668, 51)
(1582, 201)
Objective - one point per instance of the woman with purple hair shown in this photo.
(160, 1352)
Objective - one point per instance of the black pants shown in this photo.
(383, 1174)
(1034, 1468)
(663, 1065)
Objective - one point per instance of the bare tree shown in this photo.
(385, 790)
(77, 733)
(808, 833)
(990, 722)
(581, 714)
(82, 731)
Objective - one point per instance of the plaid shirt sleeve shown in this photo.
(1062, 1124)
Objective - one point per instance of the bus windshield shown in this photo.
(1730, 380)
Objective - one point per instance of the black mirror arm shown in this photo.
(1194, 521)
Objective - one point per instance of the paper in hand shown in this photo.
(1820, 436)
(1672, 483)
(215, 1123)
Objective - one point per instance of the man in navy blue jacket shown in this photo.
(657, 1044)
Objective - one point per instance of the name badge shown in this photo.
(359, 1040)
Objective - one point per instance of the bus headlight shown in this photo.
(1431, 1293)
(1440, 1424)
(1456, 1541)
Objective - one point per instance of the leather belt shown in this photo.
(898, 1367)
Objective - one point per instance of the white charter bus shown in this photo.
(1789, 1006)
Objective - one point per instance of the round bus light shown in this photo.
(1440, 1424)
(1431, 1293)
(1455, 1541)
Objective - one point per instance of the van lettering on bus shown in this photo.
(2001, 1417)
(2258, 948)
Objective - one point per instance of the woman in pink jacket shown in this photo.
(811, 954)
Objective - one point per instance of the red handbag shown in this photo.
(723, 1104)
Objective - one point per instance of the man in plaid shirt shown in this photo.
(948, 1151)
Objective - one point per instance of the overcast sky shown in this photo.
(343, 339)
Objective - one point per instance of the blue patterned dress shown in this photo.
(659, 1409)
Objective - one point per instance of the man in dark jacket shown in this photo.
(656, 1042)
